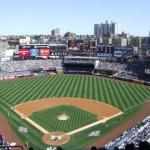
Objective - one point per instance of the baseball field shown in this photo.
(123, 97)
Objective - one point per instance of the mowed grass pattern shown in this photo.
(121, 95)
(48, 118)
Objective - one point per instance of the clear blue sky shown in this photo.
(40, 16)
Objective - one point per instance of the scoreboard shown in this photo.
(26, 51)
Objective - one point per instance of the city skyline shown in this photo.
(40, 17)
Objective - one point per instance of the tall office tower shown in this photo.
(101, 29)
(119, 29)
(96, 30)
(115, 28)
(106, 29)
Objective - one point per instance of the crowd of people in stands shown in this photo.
(123, 70)
(127, 75)
(4, 142)
(16, 69)
(136, 138)
(13, 75)
(14, 66)
(142, 145)
(111, 66)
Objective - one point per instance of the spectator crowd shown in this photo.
(139, 132)
(15, 69)
(110, 66)
(13, 66)
(5, 143)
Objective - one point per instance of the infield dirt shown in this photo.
(101, 110)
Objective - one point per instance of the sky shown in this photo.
(18, 17)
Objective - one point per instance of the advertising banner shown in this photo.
(34, 52)
(123, 51)
(59, 54)
(44, 52)
(118, 54)
(24, 53)
(103, 55)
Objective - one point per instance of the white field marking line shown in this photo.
(30, 121)
(36, 125)
(76, 130)
(93, 124)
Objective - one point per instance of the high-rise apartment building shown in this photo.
(106, 29)
(96, 30)
(118, 29)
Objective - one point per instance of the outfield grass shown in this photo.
(48, 118)
(121, 95)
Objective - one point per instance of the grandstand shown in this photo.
(25, 68)
(89, 66)
(137, 133)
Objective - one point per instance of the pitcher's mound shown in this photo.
(63, 117)
(56, 138)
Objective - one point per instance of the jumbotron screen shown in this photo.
(24, 53)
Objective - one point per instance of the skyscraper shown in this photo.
(105, 29)
(96, 30)
(118, 29)
(115, 28)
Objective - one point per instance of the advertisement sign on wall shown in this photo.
(44, 52)
(24, 53)
(34, 52)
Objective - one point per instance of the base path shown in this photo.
(94, 124)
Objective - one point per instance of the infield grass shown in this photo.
(48, 118)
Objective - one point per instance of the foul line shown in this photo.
(71, 132)
(30, 121)
(93, 124)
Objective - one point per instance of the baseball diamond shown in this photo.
(37, 103)
(81, 114)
